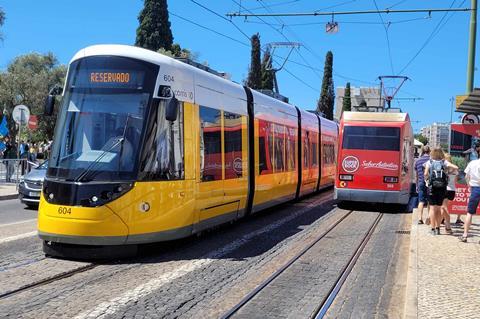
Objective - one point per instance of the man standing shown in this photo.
(472, 175)
(421, 186)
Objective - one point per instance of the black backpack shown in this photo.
(438, 176)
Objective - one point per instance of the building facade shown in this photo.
(364, 99)
(437, 134)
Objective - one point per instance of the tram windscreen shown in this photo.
(371, 138)
(101, 121)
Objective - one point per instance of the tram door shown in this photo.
(210, 182)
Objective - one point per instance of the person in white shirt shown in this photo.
(472, 175)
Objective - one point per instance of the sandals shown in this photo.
(463, 239)
(449, 231)
(420, 222)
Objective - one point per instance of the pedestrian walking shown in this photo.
(436, 176)
(452, 179)
(10, 153)
(421, 186)
(472, 175)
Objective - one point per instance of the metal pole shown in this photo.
(471, 47)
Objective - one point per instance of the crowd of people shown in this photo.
(436, 182)
(28, 152)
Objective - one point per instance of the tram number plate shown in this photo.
(64, 210)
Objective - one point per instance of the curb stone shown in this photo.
(10, 196)
(411, 297)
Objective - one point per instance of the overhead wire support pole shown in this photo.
(316, 13)
(471, 47)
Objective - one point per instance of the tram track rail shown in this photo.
(47, 281)
(323, 307)
(324, 197)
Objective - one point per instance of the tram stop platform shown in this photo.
(443, 278)
(8, 191)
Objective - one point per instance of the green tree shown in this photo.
(154, 30)
(27, 81)
(267, 71)
(347, 101)
(327, 95)
(422, 139)
(254, 79)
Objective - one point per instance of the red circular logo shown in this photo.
(350, 164)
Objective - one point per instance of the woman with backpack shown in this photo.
(436, 176)
(452, 179)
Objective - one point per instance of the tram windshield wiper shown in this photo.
(84, 173)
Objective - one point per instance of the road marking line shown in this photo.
(16, 223)
(113, 305)
(16, 237)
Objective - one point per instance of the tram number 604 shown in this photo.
(64, 210)
(168, 78)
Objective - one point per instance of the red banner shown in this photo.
(459, 204)
(462, 139)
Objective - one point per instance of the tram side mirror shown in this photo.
(50, 100)
(172, 109)
(49, 105)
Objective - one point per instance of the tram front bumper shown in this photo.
(371, 196)
(80, 225)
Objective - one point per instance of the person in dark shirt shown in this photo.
(421, 186)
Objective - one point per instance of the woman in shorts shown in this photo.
(452, 179)
(436, 195)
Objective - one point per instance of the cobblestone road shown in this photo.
(192, 278)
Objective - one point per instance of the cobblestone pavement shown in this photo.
(199, 277)
(182, 274)
(300, 289)
(447, 281)
(376, 286)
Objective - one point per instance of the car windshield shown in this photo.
(44, 165)
(99, 130)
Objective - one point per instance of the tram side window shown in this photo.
(306, 149)
(279, 148)
(233, 145)
(265, 147)
(163, 153)
(290, 148)
(210, 144)
(328, 154)
(314, 150)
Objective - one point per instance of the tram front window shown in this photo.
(102, 118)
(102, 135)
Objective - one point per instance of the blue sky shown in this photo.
(360, 47)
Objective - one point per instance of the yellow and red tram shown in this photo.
(132, 163)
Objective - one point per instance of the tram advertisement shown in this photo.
(462, 141)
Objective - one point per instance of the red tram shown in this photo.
(375, 158)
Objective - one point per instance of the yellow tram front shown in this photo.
(118, 132)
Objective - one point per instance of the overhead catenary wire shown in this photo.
(387, 37)
(271, 5)
(241, 31)
(434, 32)
(283, 35)
(343, 22)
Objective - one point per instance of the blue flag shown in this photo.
(3, 127)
